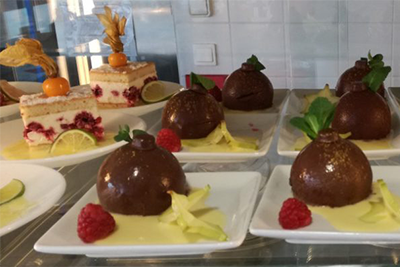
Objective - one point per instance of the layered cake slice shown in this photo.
(46, 117)
(118, 87)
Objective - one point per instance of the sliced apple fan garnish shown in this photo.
(220, 134)
(179, 213)
(383, 205)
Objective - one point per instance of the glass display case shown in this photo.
(303, 44)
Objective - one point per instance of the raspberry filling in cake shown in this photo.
(47, 117)
(97, 91)
(119, 87)
(86, 121)
(38, 128)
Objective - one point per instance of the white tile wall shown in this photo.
(189, 34)
(219, 12)
(397, 11)
(303, 43)
(313, 11)
(376, 37)
(266, 41)
(368, 11)
(256, 11)
(396, 51)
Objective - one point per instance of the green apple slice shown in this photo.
(377, 213)
(233, 142)
(189, 223)
(390, 202)
(169, 215)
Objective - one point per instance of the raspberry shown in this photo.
(94, 223)
(216, 93)
(168, 139)
(294, 214)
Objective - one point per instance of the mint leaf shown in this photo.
(301, 124)
(253, 60)
(378, 73)
(319, 116)
(322, 108)
(123, 134)
(198, 79)
(312, 121)
(375, 77)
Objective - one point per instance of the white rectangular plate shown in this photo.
(238, 125)
(289, 134)
(232, 193)
(265, 221)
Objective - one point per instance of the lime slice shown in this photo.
(11, 191)
(72, 141)
(154, 92)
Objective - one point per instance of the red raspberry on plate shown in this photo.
(294, 214)
(168, 139)
(94, 223)
(216, 93)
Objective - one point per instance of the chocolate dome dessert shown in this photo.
(192, 113)
(135, 178)
(352, 75)
(247, 89)
(363, 113)
(331, 171)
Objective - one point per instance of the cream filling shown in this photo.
(52, 121)
(109, 87)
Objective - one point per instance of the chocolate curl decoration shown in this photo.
(28, 51)
(114, 28)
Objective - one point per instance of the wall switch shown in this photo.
(204, 55)
(199, 8)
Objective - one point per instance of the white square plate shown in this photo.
(238, 125)
(265, 221)
(289, 134)
(232, 193)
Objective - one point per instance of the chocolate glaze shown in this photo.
(355, 74)
(247, 89)
(135, 178)
(363, 113)
(331, 171)
(192, 113)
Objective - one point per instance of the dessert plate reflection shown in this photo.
(320, 231)
(143, 108)
(251, 125)
(43, 188)
(289, 136)
(11, 133)
(235, 200)
(29, 87)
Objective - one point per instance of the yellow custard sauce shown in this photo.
(199, 145)
(347, 218)
(21, 150)
(301, 142)
(13, 210)
(142, 230)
